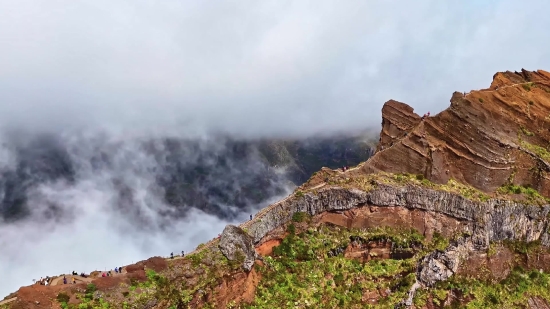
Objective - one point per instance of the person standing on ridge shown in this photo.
(182, 253)
(250, 217)
(172, 255)
(64, 280)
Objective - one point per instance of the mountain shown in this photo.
(219, 175)
(451, 211)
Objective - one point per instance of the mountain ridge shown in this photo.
(449, 211)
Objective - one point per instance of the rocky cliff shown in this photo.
(485, 138)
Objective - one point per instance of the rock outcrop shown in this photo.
(492, 220)
(485, 138)
(398, 119)
(237, 245)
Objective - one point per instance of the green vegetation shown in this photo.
(63, 299)
(299, 193)
(531, 102)
(523, 247)
(512, 292)
(539, 151)
(527, 86)
(531, 195)
(480, 100)
(300, 217)
(491, 250)
(525, 131)
(368, 182)
(308, 270)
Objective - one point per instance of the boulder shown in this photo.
(236, 245)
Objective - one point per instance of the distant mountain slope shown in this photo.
(218, 175)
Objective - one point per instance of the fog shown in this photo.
(103, 79)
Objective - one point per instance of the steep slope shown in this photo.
(452, 210)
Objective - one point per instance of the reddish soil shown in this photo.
(424, 222)
(266, 248)
(39, 296)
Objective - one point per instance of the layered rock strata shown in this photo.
(485, 138)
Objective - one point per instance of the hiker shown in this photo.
(172, 255)
(120, 270)
(103, 275)
(64, 280)
(116, 270)
(74, 280)
(250, 217)
(182, 254)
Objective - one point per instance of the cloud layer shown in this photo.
(253, 68)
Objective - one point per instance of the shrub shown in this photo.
(527, 86)
(63, 297)
(299, 193)
(481, 100)
(299, 216)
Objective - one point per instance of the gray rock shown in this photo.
(236, 244)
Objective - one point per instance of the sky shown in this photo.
(245, 68)
(253, 67)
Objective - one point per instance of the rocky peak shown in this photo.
(397, 120)
(486, 138)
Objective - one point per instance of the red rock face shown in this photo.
(485, 137)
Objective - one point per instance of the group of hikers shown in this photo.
(48, 279)
(44, 281)
(118, 270)
(172, 254)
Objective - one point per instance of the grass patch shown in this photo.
(525, 131)
(62, 297)
(371, 181)
(527, 86)
(530, 194)
(512, 292)
(539, 151)
(300, 216)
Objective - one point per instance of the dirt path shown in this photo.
(79, 279)
(7, 301)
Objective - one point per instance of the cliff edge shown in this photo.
(486, 138)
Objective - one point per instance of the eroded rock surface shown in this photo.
(236, 244)
(484, 138)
